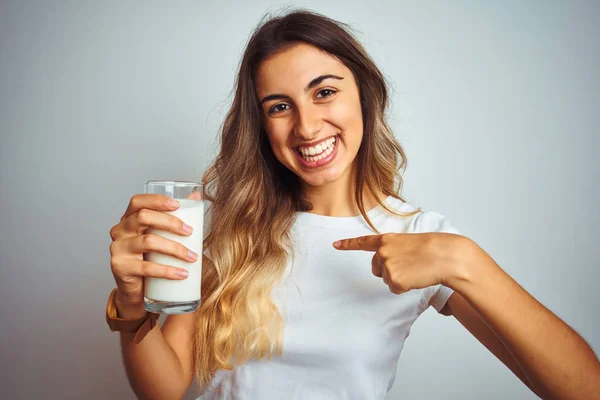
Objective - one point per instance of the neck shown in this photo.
(337, 199)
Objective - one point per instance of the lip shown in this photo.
(322, 162)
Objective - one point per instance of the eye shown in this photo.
(325, 93)
(277, 108)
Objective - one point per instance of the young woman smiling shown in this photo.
(315, 267)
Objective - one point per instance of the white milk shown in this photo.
(192, 213)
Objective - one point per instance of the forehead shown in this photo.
(294, 67)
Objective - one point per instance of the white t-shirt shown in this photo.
(343, 329)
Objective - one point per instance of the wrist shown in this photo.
(467, 257)
(127, 309)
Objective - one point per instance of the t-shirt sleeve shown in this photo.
(436, 296)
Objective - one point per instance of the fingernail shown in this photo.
(187, 228)
(337, 244)
(172, 203)
(192, 255)
(182, 273)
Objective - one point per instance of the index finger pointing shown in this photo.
(367, 243)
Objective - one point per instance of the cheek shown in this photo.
(349, 117)
(277, 135)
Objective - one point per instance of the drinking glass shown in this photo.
(169, 296)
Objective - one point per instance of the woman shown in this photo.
(305, 195)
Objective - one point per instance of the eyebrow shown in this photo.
(310, 85)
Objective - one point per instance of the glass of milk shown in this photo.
(168, 296)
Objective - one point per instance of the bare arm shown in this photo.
(458, 307)
(161, 365)
(556, 361)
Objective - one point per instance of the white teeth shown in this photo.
(319, 151)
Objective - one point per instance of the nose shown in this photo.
(308, 124)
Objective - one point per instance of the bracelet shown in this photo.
(141, 326)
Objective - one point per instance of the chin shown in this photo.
(323, 178)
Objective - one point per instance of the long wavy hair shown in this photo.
(254, 198)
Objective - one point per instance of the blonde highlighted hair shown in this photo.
(255, 198)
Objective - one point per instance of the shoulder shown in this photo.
(433, 221)
(418, 220)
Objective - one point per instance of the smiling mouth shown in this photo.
(319, 151)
